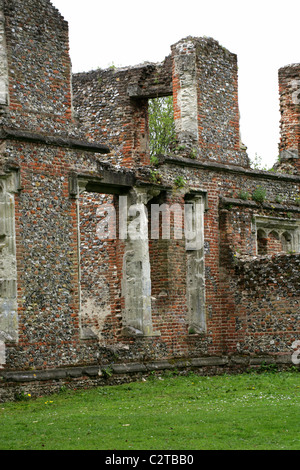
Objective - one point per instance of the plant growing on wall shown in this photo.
(180, 182)
(161, 125)
(244, 195)
(155, 177)
(259, 195)
(256, 163)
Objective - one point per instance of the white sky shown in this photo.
(264, 34)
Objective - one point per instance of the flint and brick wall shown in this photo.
(112, 105)
(77, 293)
(289, 90)
(39, 66)
(202, 77)
(267, 298)
(205, 90)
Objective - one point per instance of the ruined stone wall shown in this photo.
(260, 293)
(203, 79)
(56, 331)
(39, 220)
(47, 258)
(112, 105)
(230, 231)
(74, 304)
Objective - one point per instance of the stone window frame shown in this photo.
(4, 80)
(137, 320)
(9, 187)
(195, 257)
(284, 228)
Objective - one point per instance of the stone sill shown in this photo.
(131, 332)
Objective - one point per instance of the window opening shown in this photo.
(161, 126)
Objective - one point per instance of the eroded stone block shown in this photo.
(8, 268)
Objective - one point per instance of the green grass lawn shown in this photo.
(245, 412)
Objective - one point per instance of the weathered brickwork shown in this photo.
(289, 89)
(81, 299)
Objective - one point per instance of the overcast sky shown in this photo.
(264, 34)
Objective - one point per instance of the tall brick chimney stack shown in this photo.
(289, 91)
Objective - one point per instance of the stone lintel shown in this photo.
(105, 182)
(137, 92)
(58, 141)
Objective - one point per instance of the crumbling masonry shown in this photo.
(79, 309)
